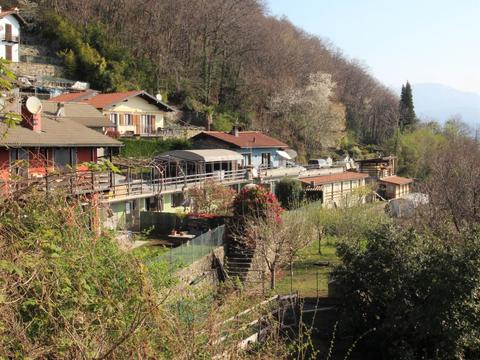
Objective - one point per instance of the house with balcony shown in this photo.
(134, 113)
(45, 142)
(161, 185)
(258, 150)
(10, 24)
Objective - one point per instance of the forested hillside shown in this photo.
(228, 58)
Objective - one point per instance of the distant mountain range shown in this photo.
(440, 102)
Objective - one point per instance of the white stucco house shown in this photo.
(134, 113)
(10, 24)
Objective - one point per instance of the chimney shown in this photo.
(234, 131)
(60, 110)
(31, 114)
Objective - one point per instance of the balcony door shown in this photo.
(147, 124)
(8, 52)
(8, 32)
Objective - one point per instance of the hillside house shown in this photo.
(393, 187)
(10, 24)
(164, 182)
(336, 189)
(45, 142)
(134, 113)
(257, 149)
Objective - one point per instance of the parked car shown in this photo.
(319, 163)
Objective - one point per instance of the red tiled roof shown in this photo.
(73, 97)
(332, 178)
(397, 180)
(102, 101)
(245, 139)
(13, 12)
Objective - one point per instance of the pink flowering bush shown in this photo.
(256, 202)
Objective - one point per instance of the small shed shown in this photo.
(334, 189)
(393, 187)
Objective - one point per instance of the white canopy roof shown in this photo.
(284, 154)
(205, 155)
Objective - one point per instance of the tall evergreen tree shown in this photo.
(407, 111)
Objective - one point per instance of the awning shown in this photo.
(284, 155)
(293, 154)
(207, 155)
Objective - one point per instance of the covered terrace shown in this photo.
(199, 162)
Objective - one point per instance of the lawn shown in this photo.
(309, 278)
(148, 252)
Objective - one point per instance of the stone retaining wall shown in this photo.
(33, 69)
(200, 267)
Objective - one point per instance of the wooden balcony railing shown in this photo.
(125, 188)
(115, 186)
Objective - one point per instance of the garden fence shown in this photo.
(194, 249)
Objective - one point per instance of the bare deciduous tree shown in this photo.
(278, 243)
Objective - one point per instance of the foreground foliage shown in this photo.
(419, 297)
(66, 292)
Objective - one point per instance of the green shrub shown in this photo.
(416, 297)
(150, 148)
(223, 122)
(289, 192)
(65, 291)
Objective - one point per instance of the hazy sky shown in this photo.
(417, 40)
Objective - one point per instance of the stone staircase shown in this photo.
(240, 263)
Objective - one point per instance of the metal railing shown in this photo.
(194, 249)
(125, 188)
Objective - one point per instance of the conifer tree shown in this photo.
(407, 112)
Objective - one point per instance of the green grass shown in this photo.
(307, 276)
(147, 252)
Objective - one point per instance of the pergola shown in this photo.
(193, 162)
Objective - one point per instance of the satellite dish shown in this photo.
(33, 105)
